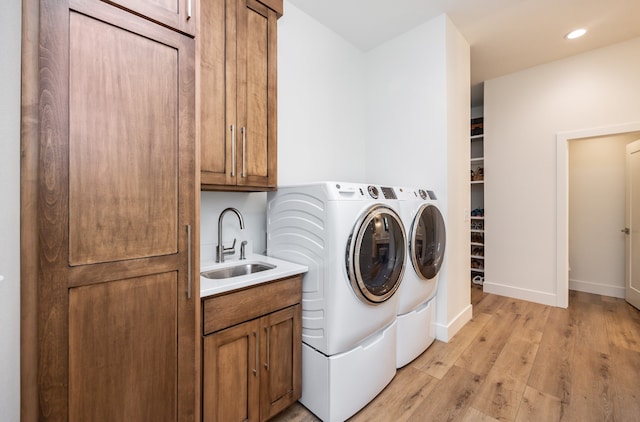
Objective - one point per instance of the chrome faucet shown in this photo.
(221, 251)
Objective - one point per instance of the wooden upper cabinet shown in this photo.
(118, 331)
(175, 14)
(237, 94)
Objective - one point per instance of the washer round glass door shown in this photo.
(376, 254)
(428, 241)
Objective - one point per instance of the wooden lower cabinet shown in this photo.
(252, 370)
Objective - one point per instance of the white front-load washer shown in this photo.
(354, 245)
(425, 254)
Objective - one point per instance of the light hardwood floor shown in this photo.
(520, 361)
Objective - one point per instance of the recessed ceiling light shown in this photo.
(575, 34)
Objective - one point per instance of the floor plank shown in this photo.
(451, 399)
(534, 317)
(626, 377)
(485, 348)
(474, 415)
(538, 406)
(401, 398)
(622, 325)
(551, 372)
(591, 328)
(442, 356)
(592, 394)
(499, 395)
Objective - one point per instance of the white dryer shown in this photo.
(416, 296)
(354, 245)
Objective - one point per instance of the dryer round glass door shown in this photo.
(428, 241)
(376, 254)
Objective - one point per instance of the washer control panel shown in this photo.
(358, 191)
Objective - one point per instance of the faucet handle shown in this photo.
(231, 250)
(225, 251)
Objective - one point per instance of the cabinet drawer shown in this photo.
(232, 308)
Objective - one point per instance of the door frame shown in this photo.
(630, 295)
(562, 199)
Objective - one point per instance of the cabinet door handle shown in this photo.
(244, 151)
(268, 331)
(233, 150)
(255, 368)
(188, 9)
(189, 261)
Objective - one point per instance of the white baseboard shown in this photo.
(596, 288)
(446, 332)
(522, 294)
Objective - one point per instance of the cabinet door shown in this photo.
(230, 374)
(217, 91)
(176, 14)
(257, 101)
(281, 382)
(122, 350)
(117, 311)
(237, 95)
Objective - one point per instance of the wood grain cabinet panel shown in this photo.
(282, 365)
(230, 374)
(176, 14)
(118, 317)
(252, 370)
(238, 95)
(122, 350)
(123, 170)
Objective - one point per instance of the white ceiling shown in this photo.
(505, 35)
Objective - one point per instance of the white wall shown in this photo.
(10, 27)
(596, 214)
(407, 109)
(321, 103)
(523, 113)
(417, 135)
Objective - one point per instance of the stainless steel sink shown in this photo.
(237, 270)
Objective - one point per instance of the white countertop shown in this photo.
(283, 269)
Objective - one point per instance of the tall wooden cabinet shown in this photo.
(117, 295)
(237, 94)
